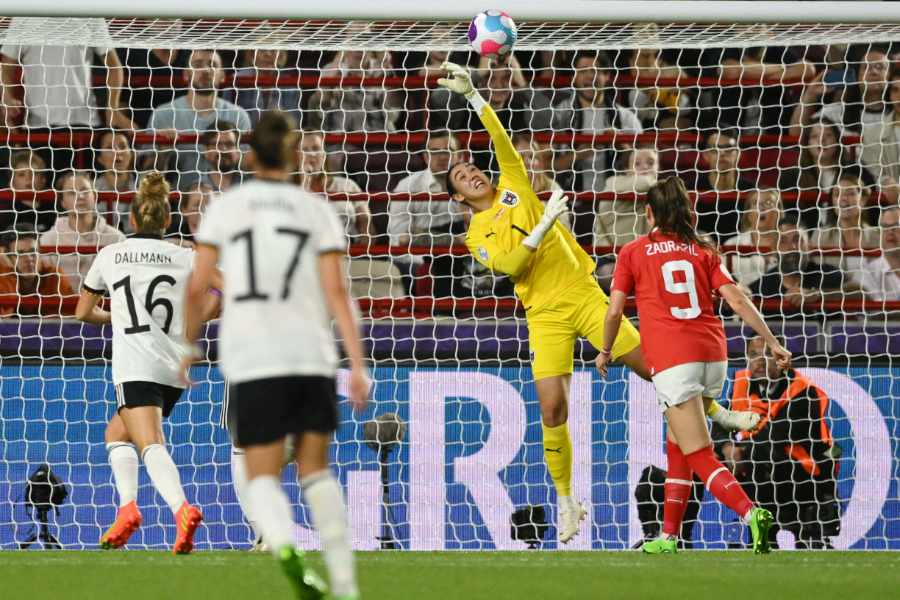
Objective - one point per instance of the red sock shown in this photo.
(719, 481)
(677, 489)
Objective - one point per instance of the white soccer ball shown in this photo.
(492, 33)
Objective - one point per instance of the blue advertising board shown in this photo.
(471, 456)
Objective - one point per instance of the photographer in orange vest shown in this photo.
(792, 457)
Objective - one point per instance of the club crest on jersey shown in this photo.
(483, 253)
(509, 198)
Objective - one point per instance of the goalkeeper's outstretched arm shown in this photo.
(460, 81)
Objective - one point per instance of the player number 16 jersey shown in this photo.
(146, 279)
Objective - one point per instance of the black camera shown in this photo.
(43, 491)
(529, 524)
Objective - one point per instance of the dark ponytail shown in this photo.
(274, 140)
(672, 211)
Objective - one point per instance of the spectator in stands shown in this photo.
(190, 209)
(793, 459)
(620, 221)
(852, 99)
(721, 174)
(434, 61)
(313, 177)
(352, 109)
(658, 107)
(591, 108)
(26, 276)
(798, 282)
(81, 226)
(752, 109)
(822, 159)
(536, 163)
(262, 92)
(425, 222)
(539, 165)
(197, 110)
(29, 177)
(116, 174)
(846, 228)
(219, 165)
(57, 81)
(153, 76)
(881, 276)
(517, 77)
(347, 110)
(762, 212)
(880, 146)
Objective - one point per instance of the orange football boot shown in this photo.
(187, 520)
(128, 519)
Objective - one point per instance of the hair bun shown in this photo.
(154, 186)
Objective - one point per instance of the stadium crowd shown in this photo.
(793, 153)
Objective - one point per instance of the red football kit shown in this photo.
(673, 283)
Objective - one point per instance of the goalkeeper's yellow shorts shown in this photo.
(578, 312)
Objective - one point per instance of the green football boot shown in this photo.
(661, 545)
(760, 522)
(307, 584)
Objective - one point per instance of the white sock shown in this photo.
(239, 480)
(164, 475)
(329, 514)
(123, 459)
(274, 516)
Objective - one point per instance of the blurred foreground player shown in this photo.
(513, 233)
(146, 278)
(673, 274)
(281, 252)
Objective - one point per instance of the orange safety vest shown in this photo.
(742, 399)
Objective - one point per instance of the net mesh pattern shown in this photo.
(783, 134)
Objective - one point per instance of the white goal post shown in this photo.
(777, 115)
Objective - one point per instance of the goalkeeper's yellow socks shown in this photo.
(558, 456)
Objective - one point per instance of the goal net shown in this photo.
(784, 134)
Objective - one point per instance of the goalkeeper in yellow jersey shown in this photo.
(513, 233)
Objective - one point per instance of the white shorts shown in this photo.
(680, 383)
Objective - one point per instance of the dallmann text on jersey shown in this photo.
(152, 258)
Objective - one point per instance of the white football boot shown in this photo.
(736, 420)
(571, 513)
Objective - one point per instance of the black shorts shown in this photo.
(265, 410)
(147, 393)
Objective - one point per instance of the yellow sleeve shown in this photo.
(512, 262)
(511, 166)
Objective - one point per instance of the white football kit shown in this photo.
(274, 322)
(146, 278)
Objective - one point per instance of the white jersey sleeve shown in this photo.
(330, 234)
(210, 230)
(93, 281)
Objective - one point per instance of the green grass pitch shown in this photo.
(136, 575)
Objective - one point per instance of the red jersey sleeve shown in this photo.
(623, 276)
(718, 272)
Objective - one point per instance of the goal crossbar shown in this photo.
(575, 11)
